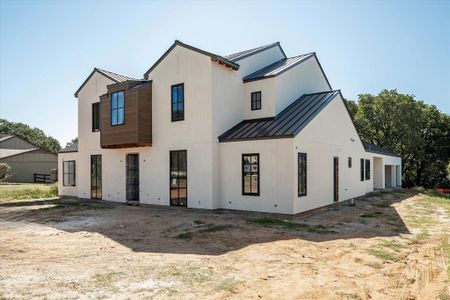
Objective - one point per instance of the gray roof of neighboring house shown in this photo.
(246, 53)
(278, 67)
(70, 148)
(288, 123)
(4, 153)
(369, 147)
(111, 75)
(4, 137)
(214, 57)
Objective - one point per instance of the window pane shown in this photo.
(181, 92)
(120, 116)
(254, 183)
(247, 184)
(121, 99)
(114, 100)
(174, 94)
(114, 117)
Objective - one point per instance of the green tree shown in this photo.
(34, 136)
(72, 144)
(4, 171)
(417, 131)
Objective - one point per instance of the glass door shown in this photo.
(96, 176)
(178, 178)
(132, 177)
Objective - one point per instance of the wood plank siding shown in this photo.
(137, 129)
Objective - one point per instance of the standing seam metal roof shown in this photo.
(288, 123)
(278, 67)
(246, 53)
(369, 147)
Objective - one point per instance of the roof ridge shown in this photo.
(323, 92)
(107, 71)
(245, 53)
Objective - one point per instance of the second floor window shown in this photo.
(256, 100)
(118, 108)
(178, 102)
(96, 116)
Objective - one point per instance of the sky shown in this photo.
(48, 48)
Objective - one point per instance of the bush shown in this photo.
(4, 171)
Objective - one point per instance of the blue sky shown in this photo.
(48, 48)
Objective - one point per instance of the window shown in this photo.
(95, 116)
(250, 174)
(256, 100)
(178, 178)
(69, 173)
(362, 169)
(349, 162)
(367, 169)
(302, 174)
(178, 102)
(118, 108)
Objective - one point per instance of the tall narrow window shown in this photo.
(178, 178)
(178, 102)
(96, 116)
(367, 169)
(118, 108)
(256, 100)
(362, 169)
(96, 176)
(69, 173)
(349, 162)
(302, 163)
(250, 174)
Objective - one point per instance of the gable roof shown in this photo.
(108, 74)
(277, 68)
(246, 53)
(369, 147)
(5, 137)
(214, 57)
(4, 153)
(287, 124)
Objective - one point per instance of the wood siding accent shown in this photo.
(137, 129)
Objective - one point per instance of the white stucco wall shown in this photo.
(67, 190)
(330, 134)
(259, 60)
(267, 88)
(276, 168)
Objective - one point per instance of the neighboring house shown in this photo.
(254, 130)
(25, 159)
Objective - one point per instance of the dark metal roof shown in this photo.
(287, 124)
(369, 147)
(214, 57)
(108, 74)
(246, 53)
(278, 67)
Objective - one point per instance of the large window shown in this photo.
(302, 163)
(96, 116)
(362, 169)
(118, 108)
(250, 174)
(69, 173)
(178, 102)
(178, 178)
(256, 100)
(367, 169)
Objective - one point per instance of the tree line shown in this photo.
(419, 132)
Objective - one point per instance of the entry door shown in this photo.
(178, 178)
(132, 177)
(336, 178)
(96, 176)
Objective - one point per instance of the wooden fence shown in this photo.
(42, 178)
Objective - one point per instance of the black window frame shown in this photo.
(350, 162)
(302, 155)
(96, 176)
(174, 114)
(361, 171)
(255, 103)
(178, 201)
(367, 169)
(95, 116)
(116, 110)
(251, 173)
(69, 173)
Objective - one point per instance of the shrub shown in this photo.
(4, 171)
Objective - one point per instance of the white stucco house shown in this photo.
(255, 130)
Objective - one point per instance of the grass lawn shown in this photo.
(27, 190)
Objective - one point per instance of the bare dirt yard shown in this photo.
(387, 246)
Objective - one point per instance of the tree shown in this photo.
(420, 133)
(72, 144)
(34, 136)
(4, 171)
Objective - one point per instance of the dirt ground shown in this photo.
(387, 246)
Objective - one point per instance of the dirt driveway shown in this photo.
(390, 246)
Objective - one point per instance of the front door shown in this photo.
(132, 177)
(178, 178)
(96, 176)
(336, 178)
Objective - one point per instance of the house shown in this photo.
(26, 159)
(255, 130)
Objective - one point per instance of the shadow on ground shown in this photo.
(186, 231)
